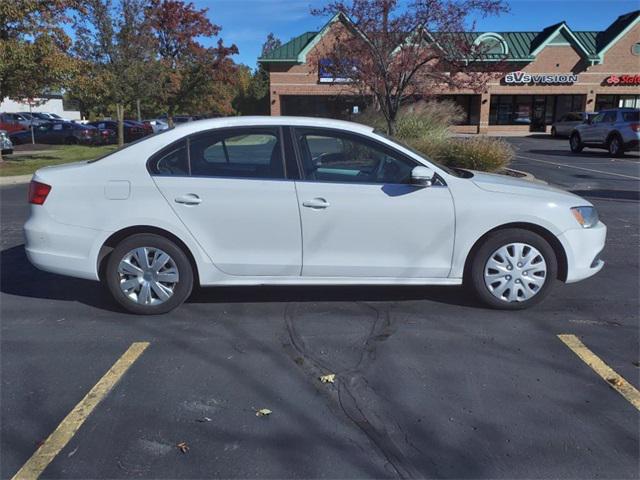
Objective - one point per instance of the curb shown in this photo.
(15, 180)
(526, 175)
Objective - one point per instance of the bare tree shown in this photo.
(393, 52)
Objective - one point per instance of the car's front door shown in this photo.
(228, 187)
(360, 215)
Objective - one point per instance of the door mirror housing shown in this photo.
(422, 176)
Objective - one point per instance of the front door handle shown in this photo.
(189, 199)
(316, 203)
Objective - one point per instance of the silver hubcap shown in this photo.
(515, 272)
(615, 145)
(148, 276)
(574, 142)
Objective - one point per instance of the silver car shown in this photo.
(5, 144)
(616, 130)
(567, 122)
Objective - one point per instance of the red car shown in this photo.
(10, 123)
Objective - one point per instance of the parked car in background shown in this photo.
(131, 132)
(566, 123)
(67, 133)
(11, 122)
(300, 201)
(148, 129)
(5, 143)
(32, 119)
(157, 124)
(47, 117)
(616, 130)
(183, 118)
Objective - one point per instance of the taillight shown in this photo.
(635, 127)
(38, 192)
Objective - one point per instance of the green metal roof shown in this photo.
(604, 38)
(520, 44)
(288, 52)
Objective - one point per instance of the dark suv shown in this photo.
(615, 130)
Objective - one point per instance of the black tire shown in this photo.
(71, 141)
(575, 143)
(554, 134)
(475, 276)
(181, 289)
(615, 146)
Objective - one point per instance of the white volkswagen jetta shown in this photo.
(284, 201)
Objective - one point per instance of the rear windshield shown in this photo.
(631, 116)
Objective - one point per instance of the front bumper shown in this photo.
(583, 248)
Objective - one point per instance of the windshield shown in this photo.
(449, 170)
(129, 145)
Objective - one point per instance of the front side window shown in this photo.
(331, 156)
(242, 153)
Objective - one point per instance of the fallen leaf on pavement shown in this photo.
(183, 447)
(329, 378)
(617, 381)
(263, 412)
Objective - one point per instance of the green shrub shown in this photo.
(418, 120)
(425, 126)
(487, 154)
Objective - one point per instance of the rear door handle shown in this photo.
(189, 199)
(316, 203)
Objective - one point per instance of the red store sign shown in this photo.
(622, 80)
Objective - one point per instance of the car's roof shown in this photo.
(223, 122)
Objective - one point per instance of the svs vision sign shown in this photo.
(523, 78)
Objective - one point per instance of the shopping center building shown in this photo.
(546, 75)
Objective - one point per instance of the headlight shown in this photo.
(587, 217)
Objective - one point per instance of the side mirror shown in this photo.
(422, 176)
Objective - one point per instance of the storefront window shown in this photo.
(535, 110)
(470, 105)
(604, 102)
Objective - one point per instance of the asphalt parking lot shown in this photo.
(428, 383)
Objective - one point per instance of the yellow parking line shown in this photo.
(614, 380)
(74, 420)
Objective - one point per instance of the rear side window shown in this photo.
(237, 153)
(631, 116)
(171, 161)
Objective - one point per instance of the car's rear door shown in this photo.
(229, 188)
(360, 215)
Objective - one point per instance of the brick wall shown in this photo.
(287, 79)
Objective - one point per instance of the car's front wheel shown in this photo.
(575, 143)
(513, 269)
(148, 274)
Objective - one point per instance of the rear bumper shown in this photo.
(632, 145)
(583, 248)
(58, 248)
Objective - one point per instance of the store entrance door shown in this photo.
(538, 113)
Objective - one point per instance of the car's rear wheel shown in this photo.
(513, 269)
(575, 143)
(554, 133)
(148, 274)
(71, 141)
(615, 146)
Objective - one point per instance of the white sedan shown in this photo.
(301, 201)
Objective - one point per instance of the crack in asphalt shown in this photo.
(352, 393)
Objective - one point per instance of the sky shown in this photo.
(248, 22)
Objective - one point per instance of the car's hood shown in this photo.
(505, 184)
